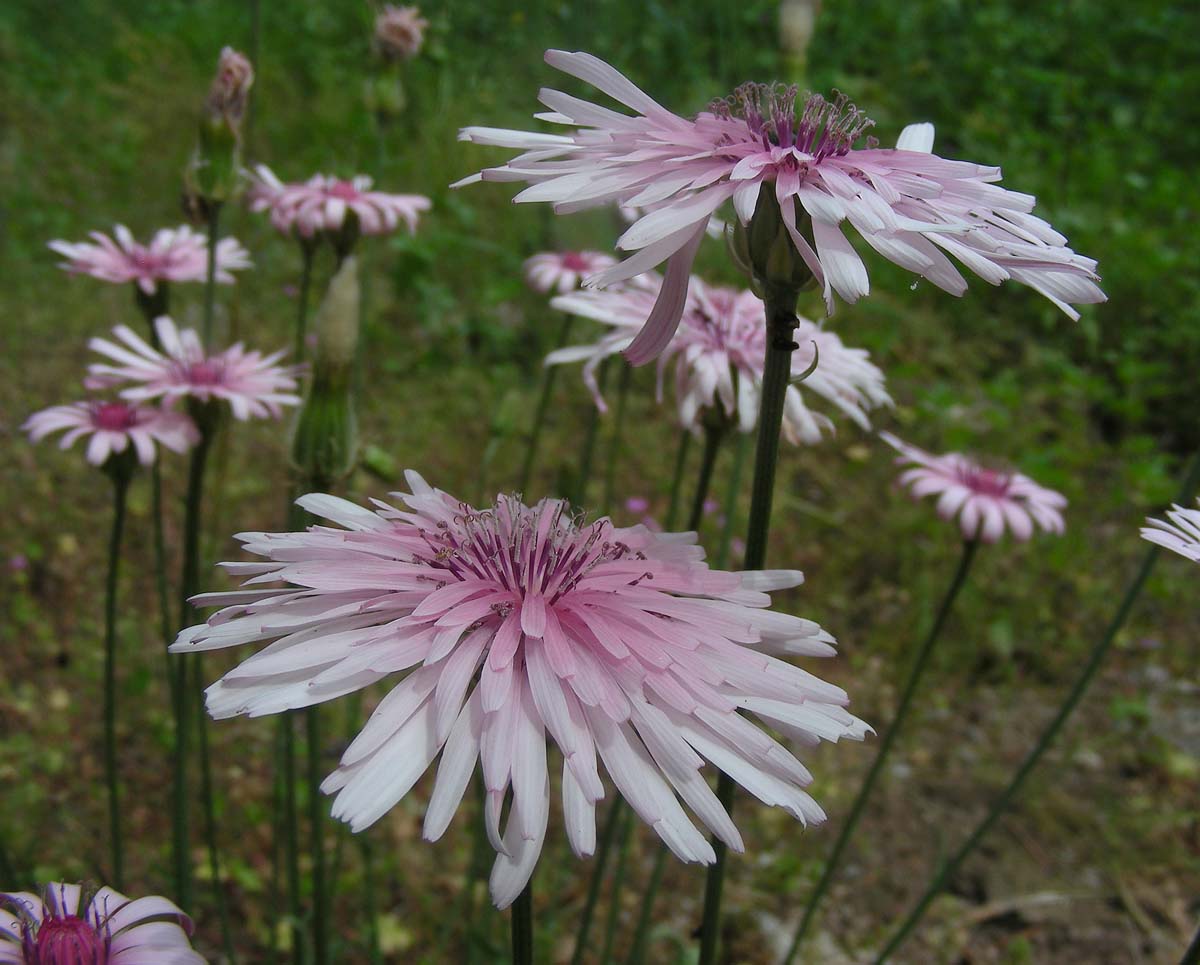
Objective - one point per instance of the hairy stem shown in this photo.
(120, 491)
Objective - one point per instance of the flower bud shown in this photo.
(212, 175)
(400, 32)
(764, 248)
(325, 441)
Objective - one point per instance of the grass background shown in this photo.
(1090, 105)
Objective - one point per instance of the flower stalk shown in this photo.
(1000, 804)
(614, 445)
(860, 802)
(522, 927)
(549, 373)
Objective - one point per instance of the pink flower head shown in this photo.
(322, 203)
(516, 622)
(250, 382)
(65, 927)
(986, 501)
(907, 203)
(1181, 535)
(563, 271)
(400, 31)
(174, 254)
(720, 350)
(113, 427)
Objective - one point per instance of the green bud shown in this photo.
(764, 249)
(325, 440)
(213, 172)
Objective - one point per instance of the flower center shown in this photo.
(68, 940)
(574, 261)
(343, 190)
(987, 482)
(147, 262)
(205, 372)
(541, 549)
(114, 416)
(822, 129)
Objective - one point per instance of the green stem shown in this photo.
(614, 445)
(1001, 803)
(166, 630)
(885, 746)
(210, 278)
(522, 927)
(120, 491)
(291, 836)
(614, 901)
(275, 892)
(780, 304)
(375, 953)
(731, 499)
(637, 951)
(307, 251)
(208, 805)
(579, 497)
(681, 454)
(549, 374)
(713, 435)
(316, 821)
(589, 905)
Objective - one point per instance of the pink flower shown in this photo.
(720, 349)
(250, 382)
(986, 501)
(322, 203)
(907, 203)
(113, 427)
(400, 31)
(174, 254)
(516, 622)
(1181, 535)
(563, 271)
(68, 928)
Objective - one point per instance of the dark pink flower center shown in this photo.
(574, 261)
(148, 263)
(114, 416)
(986, 482)
(68, 940)
(823, 129)
(343, 190)
(205, 372)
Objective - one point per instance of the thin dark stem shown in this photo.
(307, 251)
(475, 873)
(681, 454)
(780, 306)
(614, 900)
(208, 805)
(210, 278)
(860, 802)
(275, 893)
(549, 374)
(1002, 801)
(713, 435)
(614, 445)
(166, 630)
(120, 490)
(374, 952)
(588, 451)
(291, 834)
(589, 905)
(731, 499)
(316, 821)
(637, 951)
(522, 927)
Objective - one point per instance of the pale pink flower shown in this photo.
(518, 622)
(906, 202)
(985, 501)
(1181, 535)
(322, 203)
(252, 383)
(563, 271)
(173, 254)
(113, 427)
(69, 927)
(400, 31)
(719, 350)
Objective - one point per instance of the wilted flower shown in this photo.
(906, 202)
(173, 255)
(516, 621)
(1181, 535)
(66, 927)
(400, 31)
(252, 383)
(986, 501)
(322, 203)
(720, 349)
(230, 89)
(563, 271)
(113, 427)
